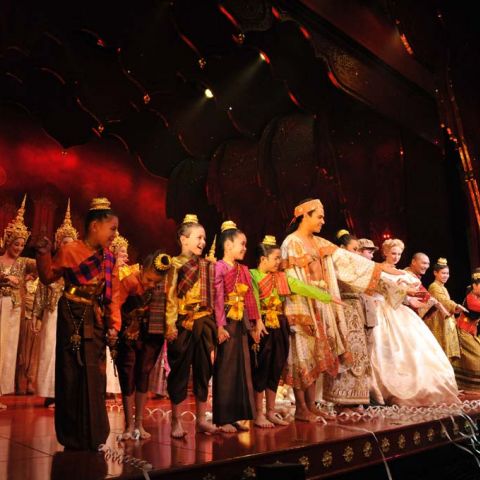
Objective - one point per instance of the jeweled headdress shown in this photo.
(100, 203)
(442, 261)
(476, 276)
(190, 218)
(117, 243)
(16, 228)
(228, 225)
(66, 229)
(269, 240)
(341, 233)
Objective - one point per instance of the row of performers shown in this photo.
(246, 329)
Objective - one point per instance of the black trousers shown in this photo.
(135, 360)
(191, 349)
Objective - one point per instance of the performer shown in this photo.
(347, 241)
(45, 317)
(13, 272)
(191, 328)
(28, 346)
(319, 340)
(270, 355)
(467, 367)
(119, 248)
(236, 312)
(367, 249)
(141, 339)
(423, 304)
(355, 380)
(84, 317)
(444, 327)
(409, 366)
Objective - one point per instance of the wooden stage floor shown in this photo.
(29, 449)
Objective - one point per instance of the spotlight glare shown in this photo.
(208, 93)
(264, 57)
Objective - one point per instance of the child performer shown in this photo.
(191, 329)
(236, 312)
(467, 367)
(140, 342)
(46, 313)
(270, 287)
(81, 420)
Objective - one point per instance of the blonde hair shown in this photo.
(387, 245)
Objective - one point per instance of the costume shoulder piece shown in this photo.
(325, 247)
(127, 270)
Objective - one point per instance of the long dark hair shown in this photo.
(296, 223)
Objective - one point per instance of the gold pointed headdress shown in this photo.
(211, 252)
(442, 261)
(269, 240)
(17, 228)
(100, 203)
(66, 229)
(476, 276)
(190, 218)
(117, 243)
(228, 225)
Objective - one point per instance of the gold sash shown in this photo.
(273, 309)
(192, 311)
(236, 301)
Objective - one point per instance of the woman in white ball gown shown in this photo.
(408, 364)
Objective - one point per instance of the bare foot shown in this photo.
(322, 413)
(227, 428)
(240, 427)
(262, 422)
(128, 433)
(305, 415)
(3, 406)
(143, 434)
(276, 418)
(203, 426)
(177, 428)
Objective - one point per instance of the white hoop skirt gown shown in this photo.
(409, 367)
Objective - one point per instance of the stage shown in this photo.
(29, 450)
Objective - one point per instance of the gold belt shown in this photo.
(76, 294)
(236, 302)
(271, 317)
(237, 305)
(192, 311)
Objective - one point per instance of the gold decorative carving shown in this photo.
(348, 454)
(327, 459)
(367, 450)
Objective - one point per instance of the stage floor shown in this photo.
(29, 449)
